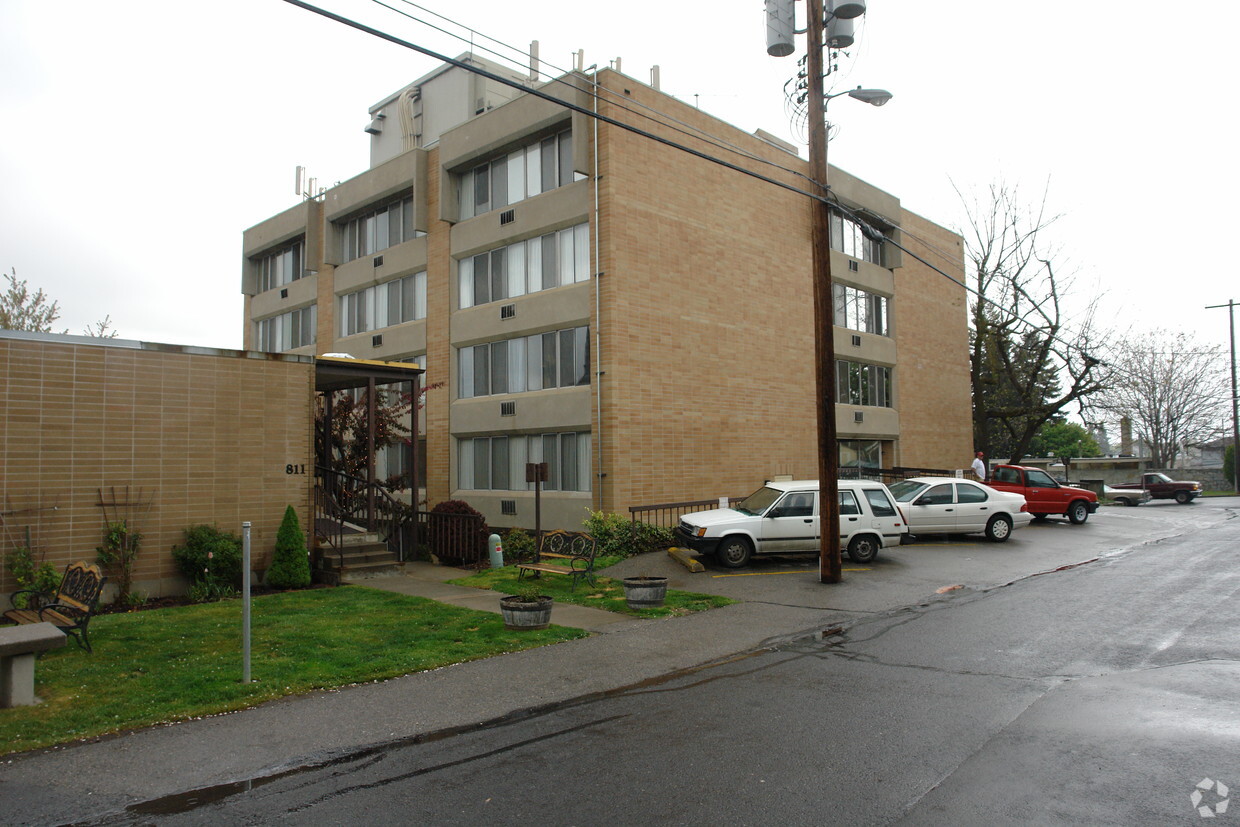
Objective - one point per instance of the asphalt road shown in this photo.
(1102, 693)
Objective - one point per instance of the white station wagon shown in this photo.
(782, 518)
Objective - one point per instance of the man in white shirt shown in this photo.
(979, 466)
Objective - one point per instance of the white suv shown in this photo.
(782, 517)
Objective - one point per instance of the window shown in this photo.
(937, 495)
(1035, 478)
(558, 359)
(379, 229)
(860, 454)
(278, 268)
(970, 494)
(879, 502)
(541, 263)
(848, 503)
(497, 463)
(861, 384)
(848, 237)
(797, 504)
(383, 305)
(288, 330)
(858, 309)
(527, 171)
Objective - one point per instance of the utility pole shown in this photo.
(780, 31)
(830, 569)
(1235, 406)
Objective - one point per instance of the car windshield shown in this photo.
(905, 490)
(759, 501)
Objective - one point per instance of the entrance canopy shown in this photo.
(337, 373)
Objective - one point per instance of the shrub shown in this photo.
(211, 557)
(617, 535)
(120, 547)
(450, 541)
(290, 567)
(30, 575)
(649, 537)
(613, 533)
(518, 545)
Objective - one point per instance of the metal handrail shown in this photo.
(341, 497)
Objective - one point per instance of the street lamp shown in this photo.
(779, 33)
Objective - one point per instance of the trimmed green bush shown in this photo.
(211, 557)
(619, 536)
(290, 567)
(518, 545)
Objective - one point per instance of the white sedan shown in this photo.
(944, 505)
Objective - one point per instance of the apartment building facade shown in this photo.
(635, 316)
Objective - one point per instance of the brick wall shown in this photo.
(930, 320)
(202, 438)
(707, 322)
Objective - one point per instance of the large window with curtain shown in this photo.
(497, 462)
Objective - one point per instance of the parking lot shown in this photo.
(916, 572)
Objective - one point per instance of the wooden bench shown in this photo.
(70, 608)
(576, 547)
(19, 646)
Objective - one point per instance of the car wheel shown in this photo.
(733, 552)
(1183, 497)
(999, 528)
(1129, 501)
(1041, 518)
(863, 548)
(1078, 512)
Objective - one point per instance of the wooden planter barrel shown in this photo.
(525, 612)
(644, 591)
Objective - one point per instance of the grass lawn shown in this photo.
(179, 663)
(608, 595)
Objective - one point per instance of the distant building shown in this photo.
(638, 318)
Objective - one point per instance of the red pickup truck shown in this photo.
(1044, 496)
(1162, 487)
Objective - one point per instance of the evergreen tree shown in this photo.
(290, 567)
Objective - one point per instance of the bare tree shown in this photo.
(101, 329)
(1029, 360)
(1173, 389)
(22, 310)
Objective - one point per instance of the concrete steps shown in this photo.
(359, 557)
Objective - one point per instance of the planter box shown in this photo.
(644, 592)
(526, 613)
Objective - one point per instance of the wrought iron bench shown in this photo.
(70, 608)
(576, 547)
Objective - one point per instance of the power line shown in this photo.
(829, 198)
(616, 99)
(362, 27)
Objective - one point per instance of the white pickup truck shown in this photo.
(782, 518)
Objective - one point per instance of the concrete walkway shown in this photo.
(430, 581)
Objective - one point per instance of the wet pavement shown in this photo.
(783, 601)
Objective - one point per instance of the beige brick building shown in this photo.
(161, 436)
(639, 318)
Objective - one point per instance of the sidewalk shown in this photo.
(428, 580)
(309, 730)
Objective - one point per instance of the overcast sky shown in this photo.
(138, 139)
